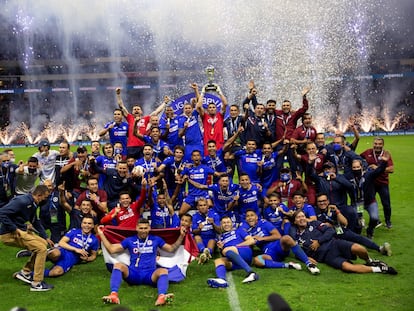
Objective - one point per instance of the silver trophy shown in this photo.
(210, 87)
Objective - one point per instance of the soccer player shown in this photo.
(199, 173)
(276, 211)
(162, 210)
(117, 129)
(237, 254)
(206, 225)
(189, 131)
(223, 193)
(213, 121)
(248, 159)
(248, 198)
(136, 121)
(275, 248)
(317, 240)
(160, 147)
(125, 213)
(169, 128)
(142, 270)
(78, 245)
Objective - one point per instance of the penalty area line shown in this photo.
(232, 294)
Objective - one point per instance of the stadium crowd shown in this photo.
(248, 182)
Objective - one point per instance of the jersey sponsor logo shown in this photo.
(250, 200)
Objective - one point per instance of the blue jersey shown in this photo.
(207, 232)
(192, 134)
(104, 162)
(143, 252)
(270, 171)
(221, 199)
(262, 228)
(307, 209)
(157, 146)
(248, 163)
(148, 165)
(119, 133)
(161, 218)
(233, 237)
(77, 239)
(275, 216)
(172, 139)
(198, 174)
(248, 199)
(216, 163)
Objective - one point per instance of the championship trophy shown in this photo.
(210, 87)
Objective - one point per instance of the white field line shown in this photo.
(232, 294)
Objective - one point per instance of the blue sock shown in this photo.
(221, 272)
(116, 279)
(274, 264)
(211, 251)
(162, 284)
(46, 273)
(286, 228)
(200, 246)
(238, 260)
(299, 253)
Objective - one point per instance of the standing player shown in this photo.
(142, 270)
(213, 121)
(137, 121)
(118, 130)
(78, 245)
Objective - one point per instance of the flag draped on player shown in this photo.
(176, 262)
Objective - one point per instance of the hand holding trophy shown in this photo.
(210, 86)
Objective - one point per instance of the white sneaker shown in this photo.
(217, 283)
(251, 278)
(294, 265)
(313, 269)
(386, 249)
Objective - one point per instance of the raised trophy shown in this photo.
(210, 87)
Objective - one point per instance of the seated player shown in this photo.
(206, 225)
(275, 248)
(78, 245)
(237, 254)
(142, 270)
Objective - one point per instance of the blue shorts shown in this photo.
(274, 250)
(246, 253)
(206, 239)
(339, 252)
(67, 259)
(138, 277)
(192, 199)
